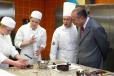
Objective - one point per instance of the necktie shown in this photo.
(81, 31)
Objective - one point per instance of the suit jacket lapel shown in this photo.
(86, 31)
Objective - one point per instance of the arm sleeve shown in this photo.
(18, 38)
(54, 46)
(102, 41)
(43, 40)
(2, 57)
(13, 52)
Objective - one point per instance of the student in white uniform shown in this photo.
(6, 47)
(63, 46)
(31, 38)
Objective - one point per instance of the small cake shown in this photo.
(29, 66)
(63, 67)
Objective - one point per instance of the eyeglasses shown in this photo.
(9, 29)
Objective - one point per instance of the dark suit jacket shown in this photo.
(93, 45)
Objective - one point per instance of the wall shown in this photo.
(109, 63)
(47, 7)
(104, 1)
(23, 9)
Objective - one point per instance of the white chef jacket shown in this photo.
(64, 44)
(25, 32)
(6, 49)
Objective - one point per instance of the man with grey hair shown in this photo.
(93, 44)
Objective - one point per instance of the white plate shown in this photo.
(73, 66)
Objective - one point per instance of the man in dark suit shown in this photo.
(93, 44)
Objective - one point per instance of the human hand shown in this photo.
(32, 40)
(37, 53)
(22, 63)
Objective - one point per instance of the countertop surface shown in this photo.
(50, 71)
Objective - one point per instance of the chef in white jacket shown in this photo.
(31, 38)
(6, 47)
(63, 46)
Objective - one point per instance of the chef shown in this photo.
(63, 46)
(31, 38)
(6, 47)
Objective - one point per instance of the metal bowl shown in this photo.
(43, 64)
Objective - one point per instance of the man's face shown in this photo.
(34, 23)
(67, 21)
(76, 19)
(7, 30)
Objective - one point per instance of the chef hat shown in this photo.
(36, 14)
(68, 8)
(7, 21)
